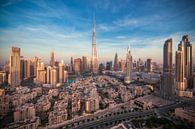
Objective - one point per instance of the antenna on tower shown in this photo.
(93, 22)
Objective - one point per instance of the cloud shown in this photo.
(126, 22)
(104, 27)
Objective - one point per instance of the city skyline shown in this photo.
(67, 30)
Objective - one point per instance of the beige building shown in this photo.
(4, 103)
(43, 104)
(61, 72)
(76, 102)
(65, 76)
(49, 70)
(24, 112)
(180, 80)
(14, 76)
(122, 64)
(91, 104)
(2, 77)
(41, 72)
(54, 77)
(28, 124)
(128, 77)
(77, 66)
(59, 114)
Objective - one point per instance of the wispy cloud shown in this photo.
(104, 27)
(126, 22)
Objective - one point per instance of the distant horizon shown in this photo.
(65, 27)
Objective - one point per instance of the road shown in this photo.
(126, 116)
(114, 117)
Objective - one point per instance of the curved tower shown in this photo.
(94, 52)
(127, 78)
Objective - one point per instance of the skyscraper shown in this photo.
(35, 65)
(71, 66)
(22, 70)
(61, 72)
(77, 65)
(179, 69)
(94, 52)
(52, 60)
(14, 76)
(116, 63)
(128, 66)
(188, 72)
(54, 77)
(49, 70)
(167, 89)
(84, 64)
(122, 64)
(167, 56)
(41, 72)
(149, 65)
(109, 65)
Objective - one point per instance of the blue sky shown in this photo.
(38, 27)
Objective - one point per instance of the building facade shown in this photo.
(14, 65)
(167, 86)
(94, 60)
(127, 78)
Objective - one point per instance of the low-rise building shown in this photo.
(4, 104)
(43, 104)
(53, 92)
(25, 118)
(76, 102)
(59, 114)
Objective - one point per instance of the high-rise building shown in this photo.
(22, 69)
(188, 72)
(88, 63)
(134, 65)
(167, 56)
(14, 76)
(109, 65)
(101, 68)
(54, 77)
(61, 72)
(84, 64)
(41, 72)
(49, 70)
(35, 65)
(65, 76)
(94, 51)
(30, 68)
(71, 66)
(2, 77)
(127, 78)
(167, 89)
(116, 64)
(122, 64)
(52, 60)
(42, 76)
(25, 68)
(149, 65)
(77, 66)
(179, 69)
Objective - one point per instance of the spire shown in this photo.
(128, 49)
(94, 24)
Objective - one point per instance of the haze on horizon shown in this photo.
(65, 27)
